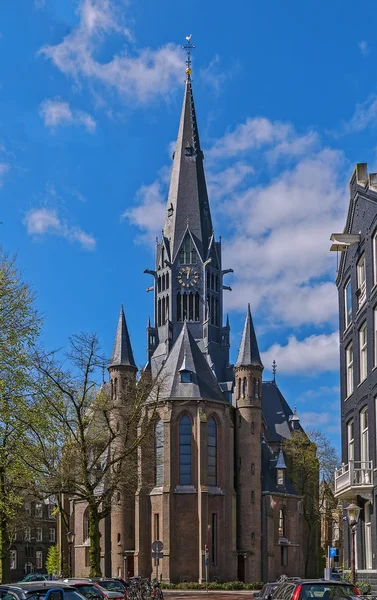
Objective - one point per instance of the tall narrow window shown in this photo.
(363, 351)
(197, 315)
(179, 307)
(212, 452)
(39, 559)
(159, 451)
(281, 523)
(361, 283)
(349, 369)
(162, 258)
(187, 250)
(13, 559)
(364, 438)
(239, 388)
(368, 535)
(156, 526)
(184, 306)
(214, 539)
(244, 386)
(347, 304)
(375, 258)
(375, 336)
(38, 534)
(351, 440)
(163, 312)
(159, 312)
(191, 307)
(185, 451)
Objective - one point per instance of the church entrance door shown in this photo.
(241, 567)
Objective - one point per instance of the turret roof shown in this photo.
(122, 351)
(249, 352)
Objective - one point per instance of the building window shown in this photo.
(284, 556)
(51, 534)
(347, 304)
(252, 427)
(159, 447)
(361, 284)
(38, 511)
(212, 452)
(349, 369)
(85, 525)
(375, 335)
(363, 351)
(214, 539)
(351, 440)
(368, 535)
(156, 526)
(27, 536)
(185, 376)
(375, 258)
(364, 438)
(185, 451)
(280, 477)
(281, 524)
(39, 559)
(38, 535)
(244, 386)
(13, 559)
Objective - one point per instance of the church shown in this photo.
(214, 486)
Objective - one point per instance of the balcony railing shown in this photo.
(353, 476)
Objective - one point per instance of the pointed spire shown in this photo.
(122, 351)
(187, 203)
(227, 321)
(280, 463)
(249, 353)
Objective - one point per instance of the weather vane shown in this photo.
(188, 47)
(274, 369)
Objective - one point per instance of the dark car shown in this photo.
(266, 591)
(37, 591)
(111, 585)
(87, 588)
(304, 589)
(35, 577)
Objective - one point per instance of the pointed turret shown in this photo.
(249, 353)
(122, 355)
(187, 205)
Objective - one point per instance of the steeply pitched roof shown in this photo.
(277, 413)
(122, 351)
(187, 203)
(249, 352)
(186, 353)
(269, 464)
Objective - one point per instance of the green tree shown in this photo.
(90, 451)
(19, 330)
(53, 560)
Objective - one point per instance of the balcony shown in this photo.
(354, 478)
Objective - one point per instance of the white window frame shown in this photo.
(364, 436)
(51, 534)
(27, 536)
(367, 536)
(363, 352)
(349, 369)
(39, 559)
(351, 440)
(13, 559)
(347, 309)
(38, 511)
(361, 281)
(38, 534)
(50, 509)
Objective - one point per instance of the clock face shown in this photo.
(188, 276)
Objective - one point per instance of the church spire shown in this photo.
(122, 355)
(249, 353)
(187, 205)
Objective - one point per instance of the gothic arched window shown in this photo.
(185, 451)
(212, 452)
(159, 451)
(239, 388)
(244, 386)
(197, 315)
(115, 388)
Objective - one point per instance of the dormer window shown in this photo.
(170, 210)
(280, 477)
(185, 376)
(189, 151)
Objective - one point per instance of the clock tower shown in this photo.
(188, 276)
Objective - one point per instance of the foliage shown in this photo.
(19, 330)
(90, 450)
(53, 560)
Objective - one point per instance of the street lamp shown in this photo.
(70, 540)
(353, 512)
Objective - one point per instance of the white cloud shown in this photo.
(141, 75)
(57, 113)
(365, 115)
(320, 392)
(41, 221)
(364, 48)
(149, 212)
(314, 354)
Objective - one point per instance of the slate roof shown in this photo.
(269, 482)
(187, 353)
(277, 413)
(122, 351)
(187, 203)
(249, 352)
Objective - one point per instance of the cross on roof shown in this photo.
(188, 47)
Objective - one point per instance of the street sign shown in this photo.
(332, 552)
(207, 559)
(157, 555)
(206, 550)
(157, 546)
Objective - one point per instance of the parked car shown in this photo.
(89, 589)
(35, 577)
(37, 590)
(296, 588)
(111, 585)
(266, 591)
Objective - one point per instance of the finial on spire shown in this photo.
(188, 47)
(274, 369)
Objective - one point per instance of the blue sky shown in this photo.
(286, 98)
